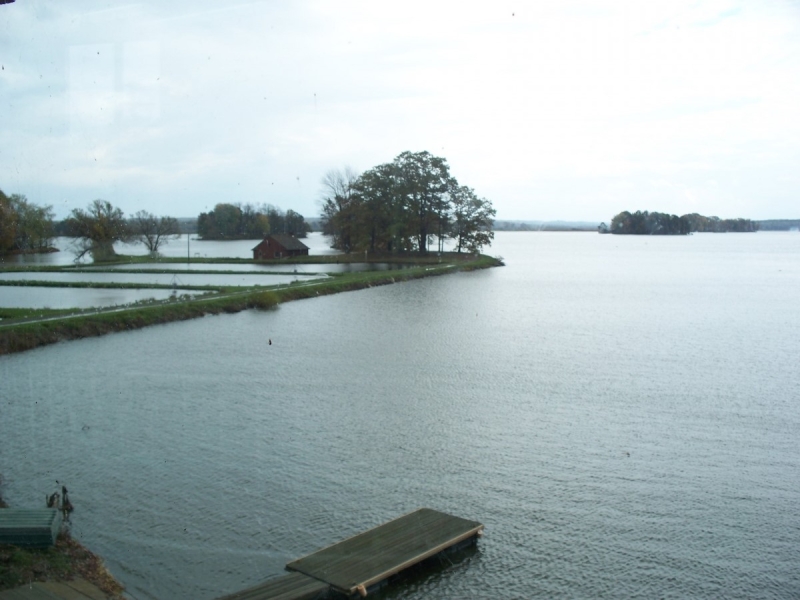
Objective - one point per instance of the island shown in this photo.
(656, 223)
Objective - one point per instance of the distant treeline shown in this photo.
(249, 221)
(500, 225)
(656, 223)
(779, 224)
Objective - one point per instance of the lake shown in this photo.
(620, 412)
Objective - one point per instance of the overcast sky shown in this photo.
(550, 109)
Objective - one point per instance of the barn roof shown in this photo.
(289, 242)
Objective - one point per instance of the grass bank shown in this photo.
(26, 336)
(66, 561)
(18, 337)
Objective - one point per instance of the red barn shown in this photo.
(279, 246)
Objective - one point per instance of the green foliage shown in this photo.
(8, 224)
(248, 221)
(65, 561)
(717, 225)
(98, 228)
(655, 223)
(397, 207)
(293, 224)
(649, 223)
(24, 226)
(472, 219)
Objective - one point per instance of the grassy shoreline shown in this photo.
(21, 336)
(65, 561)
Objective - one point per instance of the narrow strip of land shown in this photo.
(26, 331)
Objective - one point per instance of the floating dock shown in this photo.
(358, 564)
(294, 586)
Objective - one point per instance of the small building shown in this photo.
(31, 527)
(279, 246)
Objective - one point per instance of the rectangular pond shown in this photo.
(253, 267)
(317, 243)
(145, 278)
(49, 297)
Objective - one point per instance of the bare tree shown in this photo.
(154, 231)
(98, 228)
(337, 195)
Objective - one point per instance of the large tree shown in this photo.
(98, 228)
(423, 185)
(35, 224)
(472, 219)
(154, 231)
(295, 224)
(338, 197)
(399, 206)
(8, 224)
(24, 226)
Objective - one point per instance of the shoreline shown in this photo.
(66, 560)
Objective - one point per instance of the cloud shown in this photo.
(553, 107)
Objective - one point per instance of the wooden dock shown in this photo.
(362, 562)
(294, 586)
(79, 589)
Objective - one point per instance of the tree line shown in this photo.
(24, 226)
(27, 228)
(249, 221)
(656, 223)
(101, 225)
(399, 206)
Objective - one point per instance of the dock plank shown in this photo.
(78, 589)
(294, 586)
(370, 557)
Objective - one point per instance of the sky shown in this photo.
(552, 110)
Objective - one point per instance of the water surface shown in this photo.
(146, 278)
(621, 413)
(47, 297)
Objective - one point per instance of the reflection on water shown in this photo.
(621, 414)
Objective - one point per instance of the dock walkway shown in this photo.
(79, 589)
(357, 564)
(294, 586)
